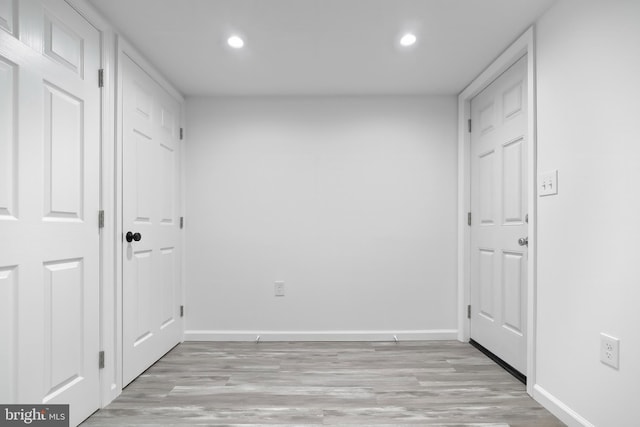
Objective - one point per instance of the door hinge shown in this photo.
(182, 311)
(181, 222)
(101, 360)
(469, 311)
(181, 134)
(469, 219)
(469, 125)
(101, 219)
(101, 77)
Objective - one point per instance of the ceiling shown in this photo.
(321, 47)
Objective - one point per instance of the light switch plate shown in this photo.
(548, 183)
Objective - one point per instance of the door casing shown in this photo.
(109, 387)
(525, 44)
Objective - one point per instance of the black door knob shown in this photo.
(133, 236)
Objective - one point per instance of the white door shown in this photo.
(151, 260)
(499, 216)
(49, 201)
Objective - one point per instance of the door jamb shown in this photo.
(110, 386)
(525, 44)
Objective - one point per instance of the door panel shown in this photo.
(167, 289)
(151, 266)
(63, 154)
(7, 15)
(49, 200)
(8, 140)
(143, 296)
(168, 177)
(62, 45)
(485, 187)
(143, 185)
(512, 182)
(8, 332)
(512, 278)
(63, 288)
(486, 283)
(499, 206)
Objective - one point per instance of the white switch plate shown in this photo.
(609, 350)
(279, 289)
(548, 183)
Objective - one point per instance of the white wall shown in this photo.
(350, 201)
(589, 235)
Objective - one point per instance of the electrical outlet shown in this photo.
(279, 289)
(609, 350)
(548, 183)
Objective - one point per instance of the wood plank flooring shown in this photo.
(436, 383)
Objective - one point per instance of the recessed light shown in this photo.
(235, 42)
(408, 39)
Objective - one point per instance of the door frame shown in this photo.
(524, 45)
(112, 47)
(108, 389)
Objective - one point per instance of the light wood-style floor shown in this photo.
(312, 384)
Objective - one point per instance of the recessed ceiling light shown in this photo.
(408, 39)
(235, 42)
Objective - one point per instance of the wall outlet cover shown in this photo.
(610, 350)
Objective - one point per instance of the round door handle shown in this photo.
(523, 241)
(133, 236)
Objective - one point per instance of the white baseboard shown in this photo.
(559, 409)
(428, 335)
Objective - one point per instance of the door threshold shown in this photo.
(510, 369)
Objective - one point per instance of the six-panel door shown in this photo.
(49, 201)
(151, 265)
(499, 214)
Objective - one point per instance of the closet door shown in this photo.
(499, 207)
(151, 251)
(49, 201)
